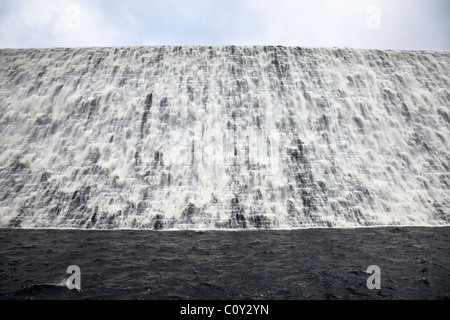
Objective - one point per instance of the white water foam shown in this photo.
(225, 137)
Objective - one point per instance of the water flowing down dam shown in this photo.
(226, 137)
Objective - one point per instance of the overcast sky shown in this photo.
(381, 24)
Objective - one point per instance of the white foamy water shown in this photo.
(223, 137)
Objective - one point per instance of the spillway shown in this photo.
(224, 137)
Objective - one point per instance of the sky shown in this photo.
(373, 24)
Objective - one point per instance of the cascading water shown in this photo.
(223, 137)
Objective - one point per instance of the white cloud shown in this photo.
(56, 23)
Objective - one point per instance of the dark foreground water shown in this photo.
(299, 264)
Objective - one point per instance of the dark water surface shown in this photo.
(296, 264)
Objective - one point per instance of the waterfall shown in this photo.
(224, 137)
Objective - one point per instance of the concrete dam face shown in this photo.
(226, 137)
